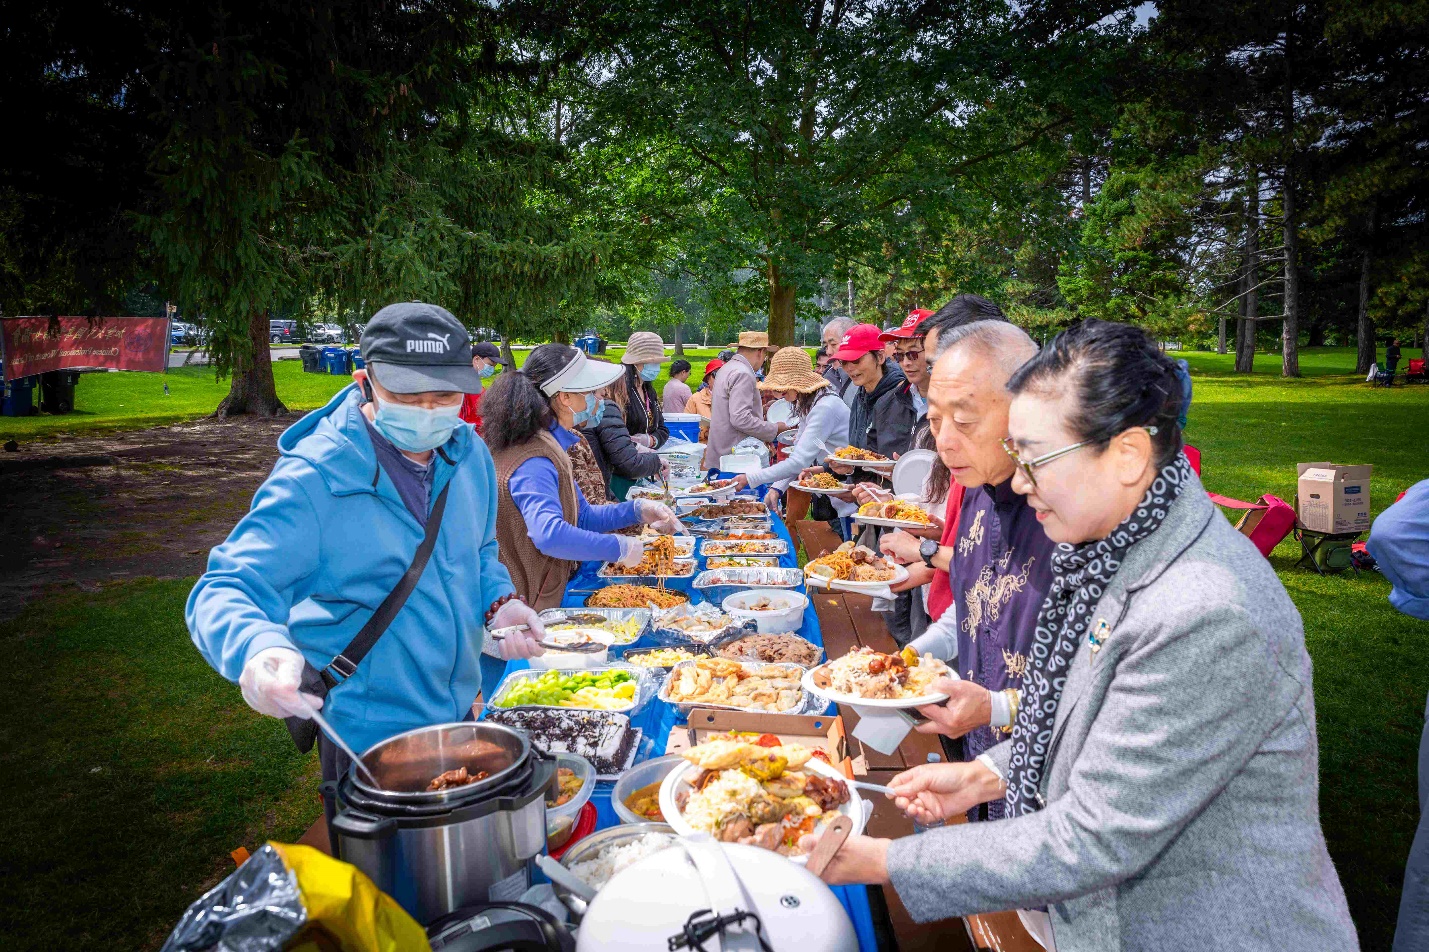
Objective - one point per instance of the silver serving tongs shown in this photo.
(575, 647)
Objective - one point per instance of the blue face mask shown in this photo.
(594, 409)
(488, 371)
(649, 372)
(416, 429)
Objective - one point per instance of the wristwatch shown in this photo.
(927, 549)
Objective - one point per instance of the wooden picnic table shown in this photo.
(847, 621)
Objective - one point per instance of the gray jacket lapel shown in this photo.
(1144, 563)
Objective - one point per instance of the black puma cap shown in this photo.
(413, 347)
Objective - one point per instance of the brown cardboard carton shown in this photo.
(821, 732)
(1333, 498)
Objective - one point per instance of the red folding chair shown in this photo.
(1416, 372)
(1264, 523)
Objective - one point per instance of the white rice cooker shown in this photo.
(716, 897)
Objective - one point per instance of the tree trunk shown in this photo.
(252, 389)
(1364, 328)
(781, 307)
(1424, 337)
(1221, 336)
(1290, 329)
(680, 339)
(561, 336)
(1250, 277)
(507, 358)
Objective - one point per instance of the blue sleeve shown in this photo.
(495, 580)
(606, 518)
(240, 605)
(536, 492)
(1399, 542)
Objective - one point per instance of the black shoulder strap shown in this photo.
(345, 664)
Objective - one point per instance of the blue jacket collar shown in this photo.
(563, 436)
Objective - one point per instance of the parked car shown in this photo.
(180, 333)
(283, 332)
(327, 334)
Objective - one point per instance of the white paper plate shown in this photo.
(891, 523)
(900, 575)
(782, 411)
(820, 492)
(887, 464)
(729, 490)
(853, 700)
(911, 471)
(677, 779)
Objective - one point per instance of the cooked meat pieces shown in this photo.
(787, 648)
(459, 777)
(767, 836)
(736, 829)
(827, 792)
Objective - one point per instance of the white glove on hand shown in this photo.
(643, 439)
(632, 551)
(270, 681)
(519, 644)
(657, 516)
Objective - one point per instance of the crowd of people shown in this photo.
(1131, 728)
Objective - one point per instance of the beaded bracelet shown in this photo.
(496, 605)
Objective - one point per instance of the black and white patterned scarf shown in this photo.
(1080, 575)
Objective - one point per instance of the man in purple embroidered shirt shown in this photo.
(1000, 565)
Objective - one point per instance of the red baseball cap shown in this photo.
(860, 339)
(909, 327)
(713, 365)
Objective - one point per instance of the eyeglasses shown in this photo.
(905, 355)
(1028, 465)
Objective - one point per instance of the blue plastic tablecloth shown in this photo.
(657, 719)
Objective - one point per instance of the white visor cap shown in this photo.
(582, 376)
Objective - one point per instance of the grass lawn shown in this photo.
(139, 768)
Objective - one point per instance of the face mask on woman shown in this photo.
(649, 372)
(488, 371)
(594, 409)
(416, 429)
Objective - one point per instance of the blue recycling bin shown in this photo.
(357, 362)
(591, 345)
(336, 361)
(18, 398)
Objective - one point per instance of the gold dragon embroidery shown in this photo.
(992, 590)
(974, 536)
(1015, 662)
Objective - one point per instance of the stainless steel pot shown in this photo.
(436, 851)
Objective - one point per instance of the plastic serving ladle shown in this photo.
(342, 744)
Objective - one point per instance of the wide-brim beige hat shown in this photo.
(754, 340)
(792, 369)
(644, 347)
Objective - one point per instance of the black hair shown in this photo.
(963, 309)
(727, 354)
(1121, 380)
(514, 409)
(679, 366)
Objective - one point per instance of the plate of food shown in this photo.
(854, 568)
(653, 493)
(720, 547)
(714, 487)
(895, 514)
(635, 596)
(781, 648)
(736, 686)
(626, 625)
(734, 507)
(823, 484)
(868, 678)
(862, 458)
(738, 791)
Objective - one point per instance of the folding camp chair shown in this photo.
(1326, 552)
(1416, 372)
(1264, 523)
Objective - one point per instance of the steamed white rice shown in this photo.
(601, 869)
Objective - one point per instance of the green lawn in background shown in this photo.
(140, 768)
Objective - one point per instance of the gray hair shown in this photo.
(1006, 344)
(839, 325)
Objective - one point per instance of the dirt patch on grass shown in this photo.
(142, 503)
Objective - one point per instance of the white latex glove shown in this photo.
(270, 681)
(657, 516)
(643, 439)
(519, 644)
(632, 551)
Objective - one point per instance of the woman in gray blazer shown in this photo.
(1162, 776)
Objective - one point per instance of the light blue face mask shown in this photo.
(594, 409)
(649, 372)
(416, 429)
(488, 371)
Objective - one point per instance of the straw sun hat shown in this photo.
(791, 369)
(644, 347)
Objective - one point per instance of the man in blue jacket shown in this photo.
(336, 525)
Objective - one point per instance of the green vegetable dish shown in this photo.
(592, 690)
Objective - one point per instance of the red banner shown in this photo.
(34, 345)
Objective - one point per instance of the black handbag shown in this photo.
(304, 730)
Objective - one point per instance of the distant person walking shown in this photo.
(677, 391)
(736, 410)
(1391, 359)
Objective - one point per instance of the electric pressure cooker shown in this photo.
(435, 851)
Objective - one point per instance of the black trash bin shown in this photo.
(311, 356)
(57, 391)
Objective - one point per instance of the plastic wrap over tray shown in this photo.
(558, 616)
(663, 633)
(748, 578)
(808, 703)
(647, 684)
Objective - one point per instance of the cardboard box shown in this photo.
(1333, 498)
(818, 731)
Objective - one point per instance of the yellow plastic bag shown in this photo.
(345, 910)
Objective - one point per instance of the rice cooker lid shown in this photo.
(650, 902)
(492, 926)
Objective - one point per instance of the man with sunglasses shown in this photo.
(999, 565)
(906, 342)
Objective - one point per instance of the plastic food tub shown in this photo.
(561, 820)
(789, 616)
(641, 775)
